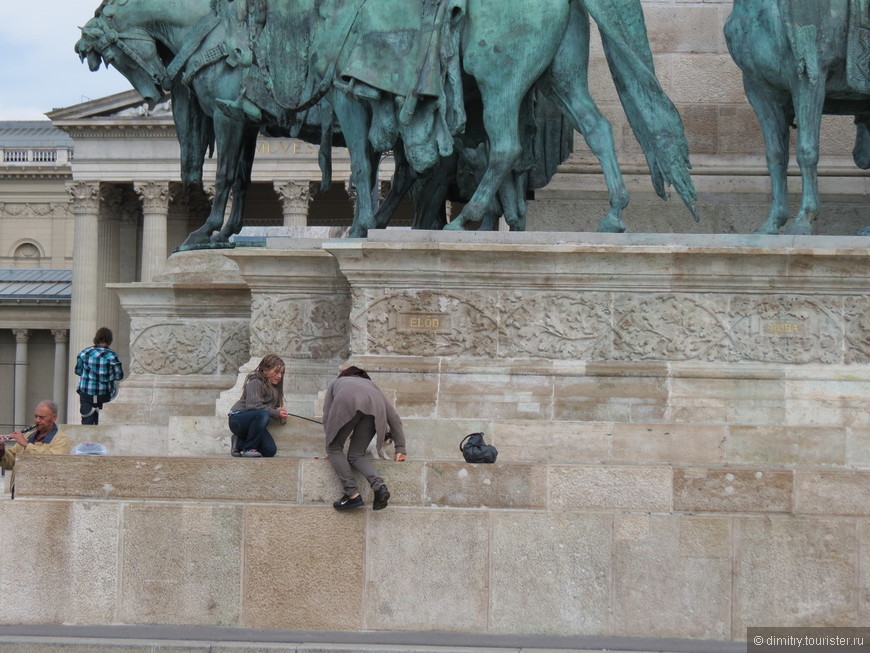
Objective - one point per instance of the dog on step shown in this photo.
(381, 453)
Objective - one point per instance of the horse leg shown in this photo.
(353, 117)
(403, 178)
(216, 216)
(228, 136)
(809, 102)
(512, 201)
(241, 182)
(429, 192)
(504, 75)
(774, 115)
(504, 151)
(501, 107)
(568, 85)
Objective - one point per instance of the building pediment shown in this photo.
(113, 113)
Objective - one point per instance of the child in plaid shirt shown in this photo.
(100, 370)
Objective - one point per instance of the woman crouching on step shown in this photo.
(354, 408)
(262, 399)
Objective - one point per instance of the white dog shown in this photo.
(388, 441)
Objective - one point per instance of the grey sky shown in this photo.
(40, 69)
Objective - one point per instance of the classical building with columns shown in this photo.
(95, 193)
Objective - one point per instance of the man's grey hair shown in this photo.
(51, 405)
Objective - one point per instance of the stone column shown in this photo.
(128, 235)
(295, 201)
(21, 410)
(155, 209)
(61, 339)
(109, 260)
(85, 200)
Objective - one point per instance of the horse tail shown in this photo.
(654, 119)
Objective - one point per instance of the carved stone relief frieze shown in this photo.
(670, 327)
(189, 347)
(313, 326)
(235, 348)
(795, 329)
(37, 209)
(770, 329)
(426, 323)
(856, 326)
(618, 326)
(555, 325)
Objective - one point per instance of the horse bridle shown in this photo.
(107, 36)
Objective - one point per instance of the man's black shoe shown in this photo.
(382, 495)
(346, 503)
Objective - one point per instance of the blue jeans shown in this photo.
(250, 429)
(90, 407)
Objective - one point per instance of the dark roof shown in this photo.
(35, 285)
(32, 133)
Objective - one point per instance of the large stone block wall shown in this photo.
(549, 548)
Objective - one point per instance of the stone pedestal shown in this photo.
(636, 328)
(188, 338)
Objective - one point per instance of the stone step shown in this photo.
(526, 441)
(561, 487)
(522, 548)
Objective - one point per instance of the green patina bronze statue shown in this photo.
(800, 59)
(456, 88)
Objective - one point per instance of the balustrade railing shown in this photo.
(18, 156)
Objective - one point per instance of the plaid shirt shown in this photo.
(99, 368)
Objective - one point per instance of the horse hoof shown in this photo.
(799, 229)
(611, 227)
(194, 240)
(767, 230)
(455, 225)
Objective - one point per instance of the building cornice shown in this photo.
(109, 128)
(36, 174)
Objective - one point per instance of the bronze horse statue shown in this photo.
(554, 59)
(152, 65)
(801, 59)
(159, 59)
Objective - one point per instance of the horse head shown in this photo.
(131, 51)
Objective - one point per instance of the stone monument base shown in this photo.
(682, 428)
(742, 330)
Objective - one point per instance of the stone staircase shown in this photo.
(641, 532)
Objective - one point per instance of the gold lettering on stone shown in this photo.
(781, 328)
(423, 323)
(284, 147)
